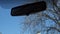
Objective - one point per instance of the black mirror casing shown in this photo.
(29, 8)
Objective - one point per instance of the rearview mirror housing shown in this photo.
(29, 8)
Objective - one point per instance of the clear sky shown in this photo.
(8, 23)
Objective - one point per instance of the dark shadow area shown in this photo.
(8, 4)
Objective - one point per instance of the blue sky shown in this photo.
(8, 23)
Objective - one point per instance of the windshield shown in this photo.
(46, 22)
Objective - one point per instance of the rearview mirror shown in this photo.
(29, 8)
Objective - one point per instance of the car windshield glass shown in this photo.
(45, 22)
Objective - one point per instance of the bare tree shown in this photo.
(45, 22)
